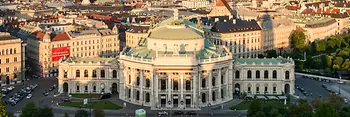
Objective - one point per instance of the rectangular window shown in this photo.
(7, 69)
(15, 59)
(7, 60)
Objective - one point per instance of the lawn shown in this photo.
(86, 95)
(104, 104)
(245, 105)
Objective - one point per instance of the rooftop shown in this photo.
(278, 60)
(88, 60)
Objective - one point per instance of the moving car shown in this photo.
(161, 113)
(191, 113)
(46, 93)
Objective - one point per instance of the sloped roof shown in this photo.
(60, 37)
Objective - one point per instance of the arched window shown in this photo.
(175, 85)
(237, 74)
(114, 74)
(86, 73)
(249, 73)
(148, 83)
(213, 96)
(77, 73)
(93, 87)
(257, 73)
(203, 98)
(78, 88)
(94, 73)
(137, 80)
(266, 74)
(14, 51)
(274, 74)
(222, 79)
(188, 84)
(11, 51)
(213, 81)
(103, 73)
(7, 51)
(203, 82)
(129, 93)
(287, 74)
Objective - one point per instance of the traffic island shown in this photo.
(85, 95)
(104, 104)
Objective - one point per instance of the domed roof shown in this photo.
(175, 32)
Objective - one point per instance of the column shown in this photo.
(132, 84)
(156, 88)
(194, 85)
(210, 86)
(121, 85)
(182, 90)
(141, 86)
(152, 101)
(228, 80)
(219, 82)
(169, 89)
(199, 85)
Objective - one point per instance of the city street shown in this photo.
(314, 88)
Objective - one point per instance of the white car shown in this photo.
(345, 101)
(29, 96)
(10, 88)
(341, 82)
(161, 113)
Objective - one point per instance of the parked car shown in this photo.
(161, 113)
(346, 101)
(10, 88)
(66, 100)
(324, 86)
(178, 113)
(29, 96)
(191, 113)
(46, 93)
(106, 96)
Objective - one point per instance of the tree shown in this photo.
(331, 43)
(346, 65)
(343, 53)
(298, 40)
(66, 115)
(325, 110)
(254, 107)
(335, 101)
(321, 46)
(81, 113)
(99, 113)
(338, 61)
(29, 110)
(271, 53)
(45, 112)
(260, 114)
(328, 60)
(3, 112)
(345, 112)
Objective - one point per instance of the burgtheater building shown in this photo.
(176, 67)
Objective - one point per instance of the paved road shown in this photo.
(38, 98)
(315, 87)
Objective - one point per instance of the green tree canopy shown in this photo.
(254, 107)
(321, 46)
(81, 113)
(66, 115)
(3, 112)
(29, 110)
(331, 43)
(338, 61)
(99, 113)
(298, 40)
(325, 110)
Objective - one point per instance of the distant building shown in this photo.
(194, 4)
(12, 62)
(46, 49)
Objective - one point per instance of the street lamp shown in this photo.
(339, 85)
(209, 108)
(169, 102)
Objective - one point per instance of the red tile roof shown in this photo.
(299, 29)
(38, 35)
(220, 3)
(293, 7)
(60, 37)
(308, 11)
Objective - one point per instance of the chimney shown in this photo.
(233, 21)
(216, 19)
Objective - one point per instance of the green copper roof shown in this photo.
(258, 61)
(175, 33)
(264, 60)
(95, 60)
